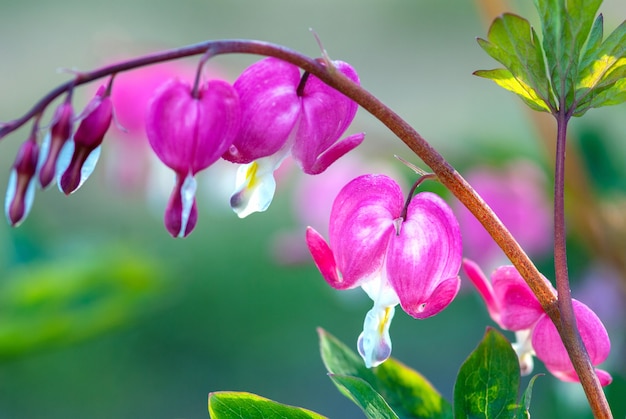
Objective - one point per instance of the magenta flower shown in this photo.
(513, 306)
(188, 134)
(285, 113)
(78, 157)
(411, 259)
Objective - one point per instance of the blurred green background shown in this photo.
(103, 315)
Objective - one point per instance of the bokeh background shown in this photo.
(104, 315)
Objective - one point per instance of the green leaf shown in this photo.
(578, 71)
(240, 405)
(505, 79)
(513, 42)
(408, 393)
(566, 25)
(602, 73)
(488, 381)
(364, 396)
(524, 406)
(341, 360)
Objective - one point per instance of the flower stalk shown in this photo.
(568, 328)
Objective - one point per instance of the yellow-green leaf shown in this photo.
(240, 405)
(504, 78)
(513, 42)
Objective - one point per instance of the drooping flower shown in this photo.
(78, 157)
(513, 306)
(311, 206)
(285, 113)
(188, 133)
(411, 258)
(131, 165)
(21, 189)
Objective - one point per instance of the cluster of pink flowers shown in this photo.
(269, 113)
(399, 251)
(410, 254)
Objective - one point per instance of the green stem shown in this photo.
(568, 328)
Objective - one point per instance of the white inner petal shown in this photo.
(187, 196)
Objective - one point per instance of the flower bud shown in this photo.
(85, 147)
(21, 189)
(54, 141)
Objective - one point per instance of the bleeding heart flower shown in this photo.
(512, 305)
(409, 256)
(189, 133)
(285, 113)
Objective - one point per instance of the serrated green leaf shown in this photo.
(408, 393)
(364, 396)
(600, 82)
(594, 41)
(513, 42)
(566, 25)
(611, 95)
(524, 406)
(505, 79)
(240, 405)
(488, 381)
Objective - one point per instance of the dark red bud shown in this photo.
(19, 198)
(88, 137)
(59, 133)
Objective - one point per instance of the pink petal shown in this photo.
(519, 308)
(326, 114)
(484, 288)
(96, 122)
(324, 259)
(424, 256)
(181, 213)
(335, 152)
(188, 134)
(550, 349)
(361, 223)
(270, 108)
